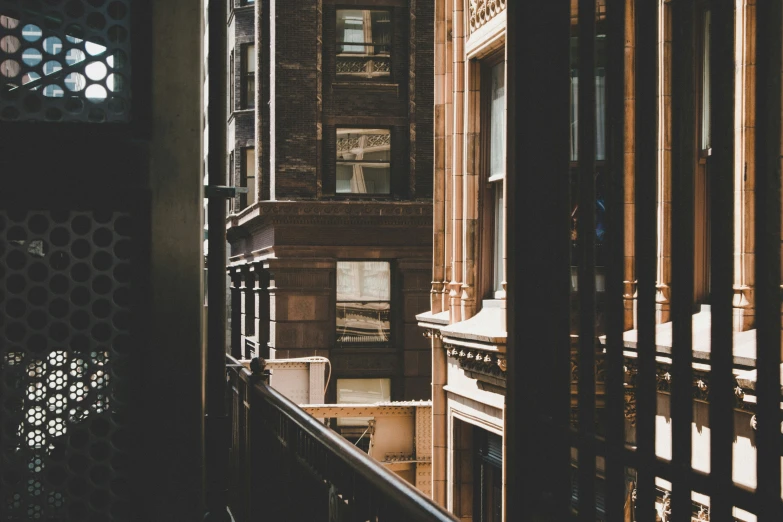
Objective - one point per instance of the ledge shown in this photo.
(487, 326)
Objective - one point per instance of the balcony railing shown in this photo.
(285, 465)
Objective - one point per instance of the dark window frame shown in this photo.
(487, 190)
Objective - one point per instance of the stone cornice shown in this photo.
(374, 213)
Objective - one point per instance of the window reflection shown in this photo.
(363, 161)
(363, 42)
(363, 307)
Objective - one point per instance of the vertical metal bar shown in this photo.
(538, 402)
(767, 230)
(615, 198)
(646, 26)
(683, 172)
(721, 178)
(216, 422)
(586, 258)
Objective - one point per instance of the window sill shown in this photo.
(366, 84)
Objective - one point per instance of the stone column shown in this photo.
(629, 277)
(470, 179)
(663, 292)
(261, 293)
(744, 167)
(458, 161)
(439, 417)
(248, 303)
(235, 319)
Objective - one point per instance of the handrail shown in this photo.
(396, 492)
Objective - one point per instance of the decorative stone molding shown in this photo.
(482, 11)
(432, 334)
(663, 380)
(481, 362)
(342, 213)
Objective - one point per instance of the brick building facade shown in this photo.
(330, 129)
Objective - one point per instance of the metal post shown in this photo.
(216, 421)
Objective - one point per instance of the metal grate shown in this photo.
(65, 320)
(536, 403)
(65, 61)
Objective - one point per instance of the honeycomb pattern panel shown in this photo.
(65, 282)
(65, 60)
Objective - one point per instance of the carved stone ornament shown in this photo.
(482, 11)
(480, 361)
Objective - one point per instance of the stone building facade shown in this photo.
(467, 321)
(330, 131)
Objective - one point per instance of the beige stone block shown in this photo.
(301, 308)
(630, 118)
(667, 68)
(630, 77)
(748, 234)
(666, 102)
(666, 188)
(665, 264)
(629, 211)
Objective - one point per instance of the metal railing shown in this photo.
(285, 465)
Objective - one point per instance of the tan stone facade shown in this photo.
(467, 321)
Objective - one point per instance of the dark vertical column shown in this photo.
(721, 172)
(586, 260)
(646, 133)
(767, 232)
(615, 198)
(538, 402)
(216, 422)
(683, 172)
(260, 102)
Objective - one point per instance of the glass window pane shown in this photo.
(497, 162)
(705, 82)
(361, 391)
(363, 281)
(250, 175)
(498, 238)
(250, 57)
(350, 29)
(363, 322)
(363, 161)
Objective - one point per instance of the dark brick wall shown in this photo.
(295, 125)
(425, 92)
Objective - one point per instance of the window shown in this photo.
(363, 161)
(231, 82)
(363, 43)
(230, 177)
(488, 482)
(249, 73)
(701, 182)
(363, 302)
(361, 391)
(249, 177)
(497, 168)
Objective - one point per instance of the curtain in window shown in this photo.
(497, 132)
(600, 115)
(353, 30)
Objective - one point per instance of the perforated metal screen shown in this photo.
(65, 60)
(65, 280)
